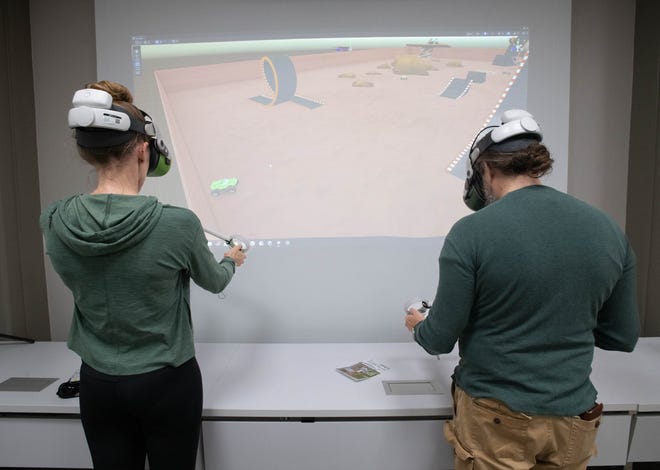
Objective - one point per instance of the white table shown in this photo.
(635, 378)
(283, 406)
(39, 429)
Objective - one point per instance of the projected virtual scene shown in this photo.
(341, 137)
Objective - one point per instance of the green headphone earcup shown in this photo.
(159, 161)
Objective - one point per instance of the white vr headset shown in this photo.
(109, 125)
(517, 130)
(93, 108)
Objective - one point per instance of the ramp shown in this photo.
(456, 88)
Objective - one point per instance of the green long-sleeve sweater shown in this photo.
(528, 286)
(128, 261)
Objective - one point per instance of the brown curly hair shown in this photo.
(534, 161)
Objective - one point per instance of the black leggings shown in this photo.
(157, 414)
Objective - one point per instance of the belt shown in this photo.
(593, 413)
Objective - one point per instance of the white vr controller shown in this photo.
(232, 240)
(422, 306)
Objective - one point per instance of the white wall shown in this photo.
(63, 58)
(601, 97)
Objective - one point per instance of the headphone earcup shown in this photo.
(153, 156)
(159, 160)
(473, 192)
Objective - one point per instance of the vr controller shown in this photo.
(422, 306)
(232, 240)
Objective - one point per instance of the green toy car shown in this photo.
(224, 185)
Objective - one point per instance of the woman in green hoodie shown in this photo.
(128, 261)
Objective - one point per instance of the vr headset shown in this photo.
(517, 131)
(99, 124)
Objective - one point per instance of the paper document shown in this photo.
(362, 370)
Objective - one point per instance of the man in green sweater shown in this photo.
(529, 285)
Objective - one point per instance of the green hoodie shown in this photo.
(128, 261)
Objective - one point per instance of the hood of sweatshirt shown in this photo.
(100, 224)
